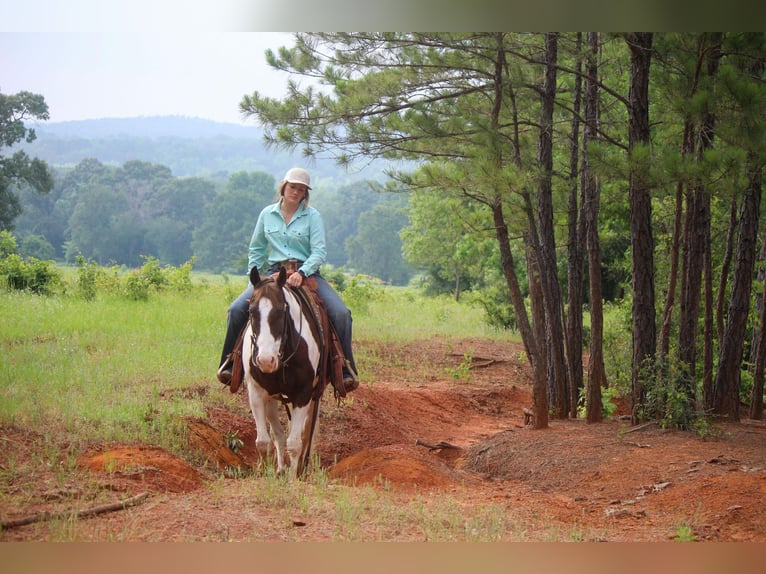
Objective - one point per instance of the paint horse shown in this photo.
(281, 358)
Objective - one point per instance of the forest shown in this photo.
(554, 173)
(119, 215)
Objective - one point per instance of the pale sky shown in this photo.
(121, 73)
(95, 59)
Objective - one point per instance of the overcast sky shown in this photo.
(126, 58)
(127, 74)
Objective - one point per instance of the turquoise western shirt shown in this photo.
(273, 240)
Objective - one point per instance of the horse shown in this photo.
(281, 360)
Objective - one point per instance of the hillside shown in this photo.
(188, 146)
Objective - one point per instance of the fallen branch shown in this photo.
(485, 363)
(640, 427)
(438, 446)
(42, 516)
(637, 444)
(479, 362)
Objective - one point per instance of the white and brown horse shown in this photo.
(281, 358)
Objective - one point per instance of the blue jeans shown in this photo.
(339, 314)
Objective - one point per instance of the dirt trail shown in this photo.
(426, 432)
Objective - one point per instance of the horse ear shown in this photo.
(282, 277)
(254, 276)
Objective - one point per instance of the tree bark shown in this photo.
(575, 241)
(642, 241)
(557, 385)
(539, 391)
(758, 350)
(590, 210)
(727, 380)
(670, 299)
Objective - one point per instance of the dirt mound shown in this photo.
(126, 467)
(398, 465)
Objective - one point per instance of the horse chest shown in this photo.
(293, 383)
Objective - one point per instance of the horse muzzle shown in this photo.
(267, 363)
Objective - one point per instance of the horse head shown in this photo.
(269, 319)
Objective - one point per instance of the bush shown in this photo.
(666, 400)
(152, 277)
(29, 274)
(179, 278)
(360, 291)
(7, 244)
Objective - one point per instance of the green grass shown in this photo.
(402, 314)
(98, 368)
(116, 369)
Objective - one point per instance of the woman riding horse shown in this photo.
(290, 233)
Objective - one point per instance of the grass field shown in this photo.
(95, 370)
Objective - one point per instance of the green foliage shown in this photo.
(495, 300)
(376, 248)
(137, 284)
(8, 243)
(462, 372)
(618, 350)
(153, 277)
(220, 240)
(29, 274)
(685, 533)
(608, 406)
(87, 274)
(232, 440)
(666, 397)
(706, 430)
(359, 292)
(447, 238)
(336, 277)
(19, 169)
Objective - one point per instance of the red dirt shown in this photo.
(412, 433)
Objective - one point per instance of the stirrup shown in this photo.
(349, 370)
(224, 373)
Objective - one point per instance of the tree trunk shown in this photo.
(670, 299)
(697, 217)
(697, 256)
(533, 343)
(590, 209)
(642, 241)
(759, 341)
(727, 379)
(575, 249)
(547, 249)
(539, 391)
(720, 306)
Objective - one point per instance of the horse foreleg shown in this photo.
(277, 433)
(269, 433)
(299, 440)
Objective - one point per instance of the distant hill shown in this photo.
(148, 127)
(188, 146)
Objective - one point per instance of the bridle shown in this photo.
(286, 331)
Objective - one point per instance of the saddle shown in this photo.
(331, 359)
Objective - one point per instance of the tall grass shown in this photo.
(97, 368)
(117, 369)
(402, 314)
